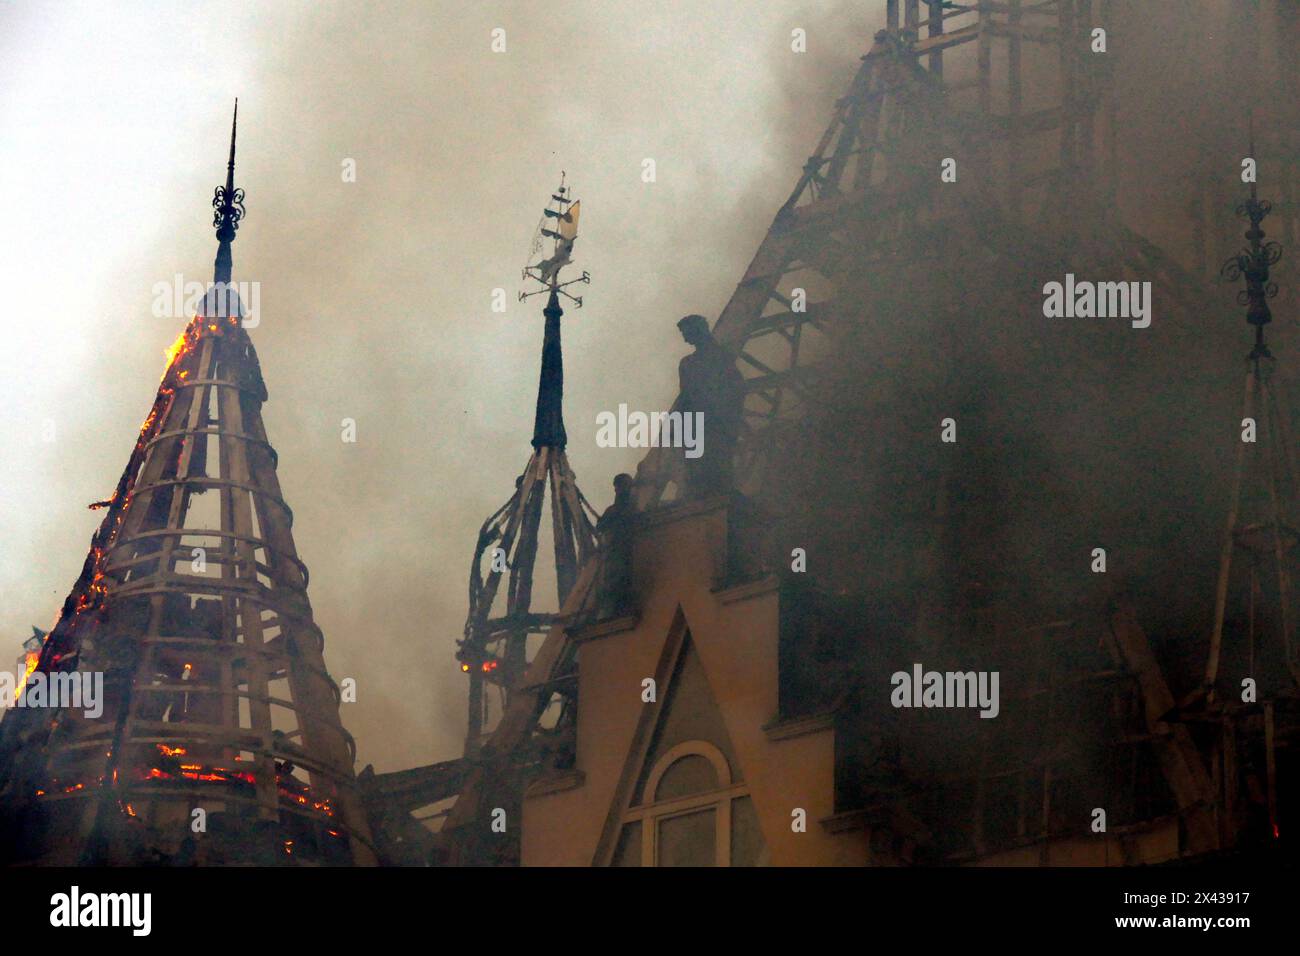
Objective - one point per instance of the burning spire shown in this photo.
(197, 621)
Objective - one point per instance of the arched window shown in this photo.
(690, 814)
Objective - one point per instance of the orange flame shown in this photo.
(176, 348)
(29, 664)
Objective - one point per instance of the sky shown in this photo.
(376, 294)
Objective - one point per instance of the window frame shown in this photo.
(651, 814)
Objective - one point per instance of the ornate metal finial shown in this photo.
(228, 203)
(1253, 264)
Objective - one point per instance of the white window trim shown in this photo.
(720, 800)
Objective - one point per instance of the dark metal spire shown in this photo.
(1254, 261)
(548, 427)
(229, 205)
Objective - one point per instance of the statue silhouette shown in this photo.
(710, 385)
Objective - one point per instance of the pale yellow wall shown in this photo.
(737, 644)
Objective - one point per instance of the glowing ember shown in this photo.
(208, 774)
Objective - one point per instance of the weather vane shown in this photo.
(563, 210)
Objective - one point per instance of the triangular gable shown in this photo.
(685, 711)
(689, 712)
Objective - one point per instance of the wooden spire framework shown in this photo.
(1261, 524)
(193, 605)
(494, 650)
(1253, 636)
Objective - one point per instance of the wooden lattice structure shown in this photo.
(1253, 720)
(495, 649)
(872, 181)
(193, 605)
